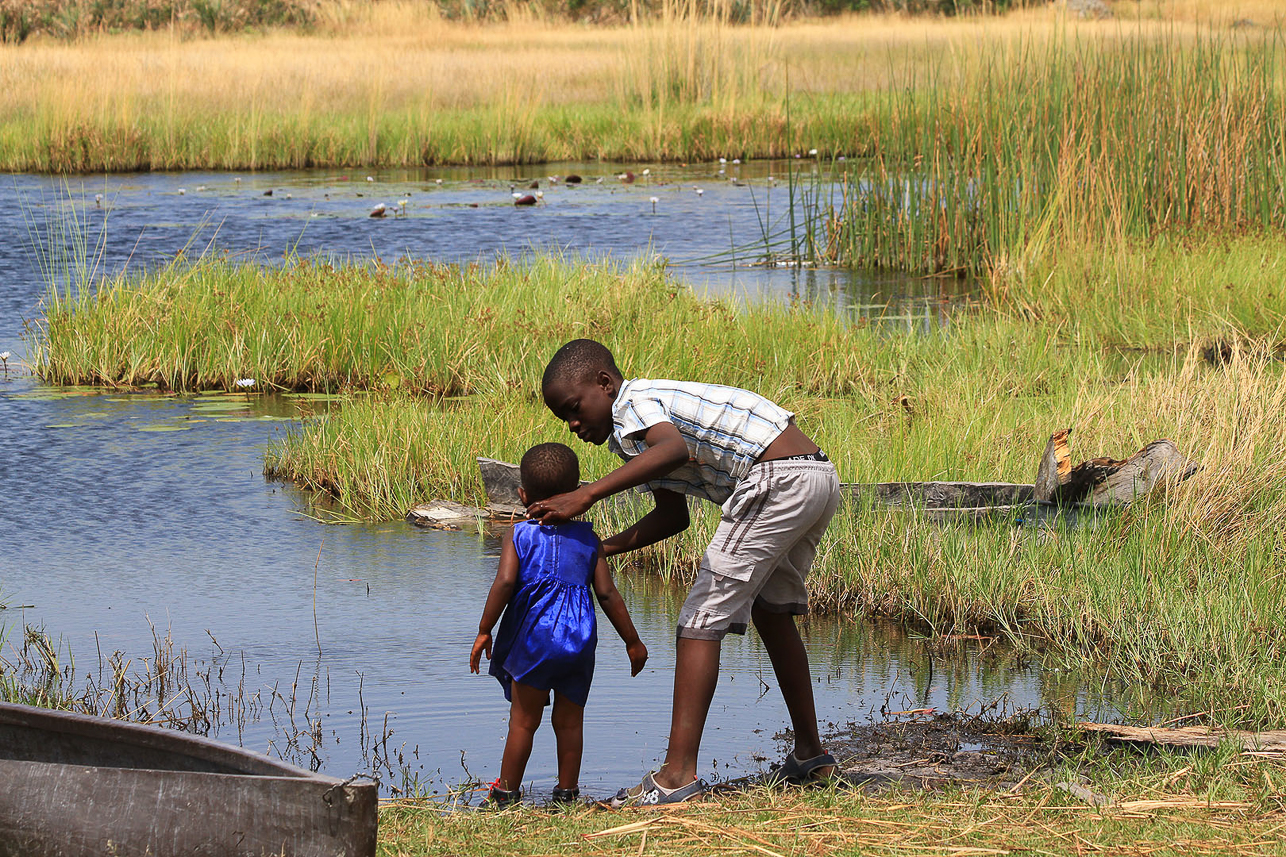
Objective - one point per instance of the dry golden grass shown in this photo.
(366, 60)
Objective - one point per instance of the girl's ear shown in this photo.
(522, 496)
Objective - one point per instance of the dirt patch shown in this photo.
(930, 750)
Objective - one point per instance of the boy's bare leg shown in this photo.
(696, 672)
(569, 730)
(526, 707)
(790, 665)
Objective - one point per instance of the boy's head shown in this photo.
(579, 386)
(546, 470)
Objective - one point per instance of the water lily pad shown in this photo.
(262, 418)
(221, 405)
(164, 428)
(54, 395)
(317, 397)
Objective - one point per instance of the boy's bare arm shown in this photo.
(665, 451)
(668, 518)
(502, 589)
(614, 608)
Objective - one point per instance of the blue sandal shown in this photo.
(651, 793)
(801, 772)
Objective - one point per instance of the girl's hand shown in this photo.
(483, 644)
(638, 656)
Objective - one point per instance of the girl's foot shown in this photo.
(570, 795)
(501, 798)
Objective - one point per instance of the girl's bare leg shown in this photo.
(569, 723)
(526, 707)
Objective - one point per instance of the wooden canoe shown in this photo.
(941, 499)
(76, 786)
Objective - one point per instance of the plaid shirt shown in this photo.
(726, 429)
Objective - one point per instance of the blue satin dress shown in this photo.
(549, 629)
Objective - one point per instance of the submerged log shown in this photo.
(446, 515)
(1191, 736)
(1107, 481)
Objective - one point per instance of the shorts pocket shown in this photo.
(725, 567)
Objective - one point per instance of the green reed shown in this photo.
(986, 164)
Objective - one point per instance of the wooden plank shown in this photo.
(1191, 736)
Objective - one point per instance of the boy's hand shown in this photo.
(638, 656)
(483, 644)
(561, 507)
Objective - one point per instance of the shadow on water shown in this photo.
(169, 581)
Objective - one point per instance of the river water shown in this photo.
(142, 524)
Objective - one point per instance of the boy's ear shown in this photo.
(522, 496)
(607, 382)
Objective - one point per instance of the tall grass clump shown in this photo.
(987, 164)
(434, 330)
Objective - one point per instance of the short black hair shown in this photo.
(548, 469)
(577, 361)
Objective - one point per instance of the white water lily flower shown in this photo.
(245, 382)
(4, 355)
(812, 151)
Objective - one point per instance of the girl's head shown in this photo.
(546, 470)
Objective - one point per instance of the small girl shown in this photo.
(549, 630)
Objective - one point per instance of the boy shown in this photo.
(778, 492)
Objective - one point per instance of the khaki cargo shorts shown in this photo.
(763, 548)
